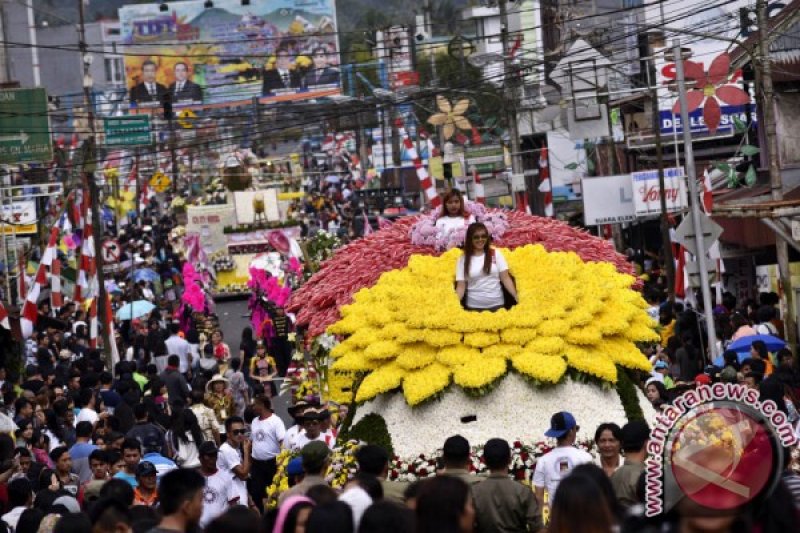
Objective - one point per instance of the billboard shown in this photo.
(705, 34)
(647, 194)
(608, 200)
(276, 50)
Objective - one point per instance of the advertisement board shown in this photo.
(646, 193)
(19, 218)
(608, 200)
(709, 31)
(209, 221)
(277, 50)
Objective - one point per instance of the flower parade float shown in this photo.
(416, 367)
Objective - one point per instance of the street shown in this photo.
(233, 319)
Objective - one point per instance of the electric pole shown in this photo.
(694, 200)
(669, 260)
(510, 82)
(89, 165)
(764, 70)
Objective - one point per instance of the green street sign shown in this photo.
(24, 126)
(127, 130)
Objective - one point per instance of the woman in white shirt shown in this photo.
(453, 216)
(482, 272)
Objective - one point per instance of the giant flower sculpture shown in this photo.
(359, 264)
(450, 117)
(710, 88)
(411, 357)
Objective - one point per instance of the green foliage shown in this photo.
(626, 388)
(749, 150)
(371, 429)
(571, 166)
(750, 176)
(738, 125)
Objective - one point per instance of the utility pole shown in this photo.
(669, 260)
(511, 90)
(89, 164)
(694, 200)
(764, 69)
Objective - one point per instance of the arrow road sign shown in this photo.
(24, 127)
(22, 138)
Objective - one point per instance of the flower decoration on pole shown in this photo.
(711, 88)
(450, 117)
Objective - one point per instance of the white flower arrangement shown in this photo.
(425, 233)
(514, 411)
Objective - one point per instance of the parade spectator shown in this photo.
(174, 380)
(657, 394)
(635, 436)
(456, 457)
(580, 505)
(206, 419)
(235, 457)
(149, 435)
(145, 492)
(20, 498)
(443, 504)
(181, 501)
(184, 437)
(81, 451)
(177, 345)
(219, 492)
(238, 386)
(315, 456)
(268, 433)
(556, 464)
(502, 504)
(374, 460)
(608, 439)
(132, 455)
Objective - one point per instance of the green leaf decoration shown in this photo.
(750, 177)
(590, 166)
(571, 166)
(733, 178)
(749, 150)
(725, 168)
(739, 126)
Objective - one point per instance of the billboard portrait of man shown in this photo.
(149, 90)
(183, 89)
(282, 76)
(321, 73)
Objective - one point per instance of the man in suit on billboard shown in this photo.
(148, 91)
(183, 89)
(321, 74)
(281, 76)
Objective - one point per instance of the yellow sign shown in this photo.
(160, 182)
(185, 118)
(436, 168)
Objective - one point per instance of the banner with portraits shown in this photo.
(276, 50)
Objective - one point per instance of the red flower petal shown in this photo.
(732, 95)
(694, 71)
(693, 98)
(711, 114)
(718, 71)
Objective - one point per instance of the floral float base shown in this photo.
(513, 411)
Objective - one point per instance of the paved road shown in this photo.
(233, 319)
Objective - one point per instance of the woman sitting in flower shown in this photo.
(454, 215)
(482, 272)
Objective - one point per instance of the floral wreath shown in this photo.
(425, 233)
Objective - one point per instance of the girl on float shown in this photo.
(454, 215)
(482, 272)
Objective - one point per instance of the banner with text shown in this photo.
(646, 194)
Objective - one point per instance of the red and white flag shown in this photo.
(707, 197)
(544, 183)
(4, 317)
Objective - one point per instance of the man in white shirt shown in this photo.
(268, 432)
(234, 457)
(87, 400)
(176, 345)
(556, 464)
(296, 412)
(219, 492)
(312, 429)
(20, 498)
